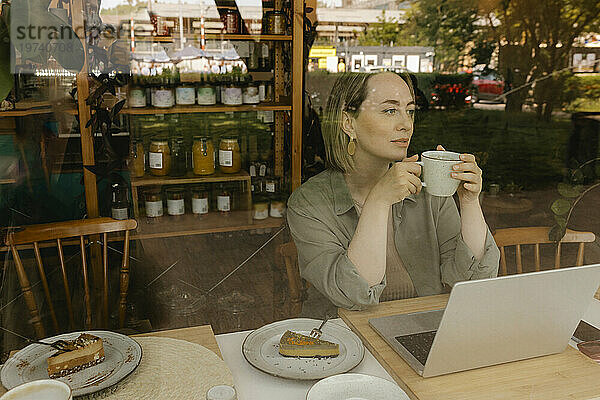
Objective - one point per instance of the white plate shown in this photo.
(122, 356)
(355, 387)
(261, 349)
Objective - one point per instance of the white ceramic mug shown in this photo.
(44, 389)
(436, 169)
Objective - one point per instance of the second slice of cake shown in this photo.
(294, 344)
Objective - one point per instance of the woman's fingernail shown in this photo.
(454, 174)
(455, 167)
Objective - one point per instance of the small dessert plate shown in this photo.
(122, 356)
(261, 350)
(355, 386)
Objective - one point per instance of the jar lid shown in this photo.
(202, 137)
(159, 139)
(260, 199)
(177, 189)
(230, 137)
(152, 189)
(198, 188)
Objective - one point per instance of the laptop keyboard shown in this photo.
(418, 344)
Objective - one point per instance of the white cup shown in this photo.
(436, 169)
(44, 389)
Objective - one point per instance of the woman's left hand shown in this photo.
(471, 176)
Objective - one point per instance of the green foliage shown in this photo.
(581, 93)
(384, 32)
(523, 153)
(542, 34)
(447, 25)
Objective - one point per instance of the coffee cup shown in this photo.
(44, 389)
(436, 169)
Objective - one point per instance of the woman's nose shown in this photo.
(404, 123)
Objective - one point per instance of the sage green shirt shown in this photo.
(427, 235)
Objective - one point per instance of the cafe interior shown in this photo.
(147, 155)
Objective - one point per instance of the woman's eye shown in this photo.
(411, 112)
(390, 111)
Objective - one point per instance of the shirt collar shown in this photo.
(342, 200)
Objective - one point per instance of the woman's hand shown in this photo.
(471, 176)
(400, 181)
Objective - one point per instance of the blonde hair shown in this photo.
(347, 95)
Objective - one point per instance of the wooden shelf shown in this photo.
(150, 180)
(219, 36)
(206, 109)
(189, 224)
(7, 181)
(35, 111)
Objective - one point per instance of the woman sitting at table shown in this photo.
(365, 231)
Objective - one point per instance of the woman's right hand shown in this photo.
(401, 180)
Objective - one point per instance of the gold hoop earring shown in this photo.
(351, 146)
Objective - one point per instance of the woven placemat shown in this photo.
(170, 369)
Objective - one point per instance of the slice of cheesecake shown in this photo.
(294, 344)
(85, 351)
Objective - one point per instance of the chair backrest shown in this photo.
(297, 286)
(535, 236)
(81, 231)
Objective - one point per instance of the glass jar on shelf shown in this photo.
(175, 201)
(250, 94)
(276, 22)
(269, 93)
(232, 94)
(231, 21)
(206, 94)
(277, 209)
(264, 61)
(261, 91)
(203, 155)
(137, 96)
(223, 200)
(178, 161)
(200, 202)
(271, 185)
(253, 55)
(137, 159)
(260, 207)
(120, 201)
(159, 157)
(162, 96)
(153, 202)
(185, 94)
(230, 159)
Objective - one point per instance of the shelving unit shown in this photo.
(190, 178)
(189, 224)
(206, 109)
(213, 222)
(219, 36)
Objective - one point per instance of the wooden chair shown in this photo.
(287, 254)
(34, 234)
(535, 236)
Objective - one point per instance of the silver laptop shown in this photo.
(493, 321)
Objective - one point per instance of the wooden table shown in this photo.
(568, 375)
(202, 335)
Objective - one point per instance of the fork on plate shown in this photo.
(58, 344)
(316, 332)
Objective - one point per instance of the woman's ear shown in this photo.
(348, 125)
